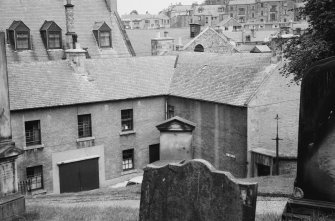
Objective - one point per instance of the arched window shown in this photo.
(199, 48)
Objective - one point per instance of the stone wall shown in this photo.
(220, 136)
(275, 96)
(211, 42)
(59, 132)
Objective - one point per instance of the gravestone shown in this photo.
(315, 181)
(195, 191)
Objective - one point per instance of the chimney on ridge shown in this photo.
(71, 36)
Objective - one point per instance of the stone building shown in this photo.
(145, 21)
(209, 40)
(84, 110)
(252, 14)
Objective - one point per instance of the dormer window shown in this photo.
(103, 34)
(51, 35)
(18, 35)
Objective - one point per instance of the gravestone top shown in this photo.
(195, 191)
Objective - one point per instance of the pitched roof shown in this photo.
(233, 22)
(229, 79)
(33, 14)
(55, 83)
(261, 49)
(212, 33)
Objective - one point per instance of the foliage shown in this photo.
(317, 43)
(134, 12)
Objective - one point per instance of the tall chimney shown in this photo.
(5, 127)
(71, 37)
(112, 5)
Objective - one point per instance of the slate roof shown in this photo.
(261, 49)
(33, 14)
(212, 34)
(226, 20)
(55, 83)
(228, 79)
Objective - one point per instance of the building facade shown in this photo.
(146, 21)
(252, 14)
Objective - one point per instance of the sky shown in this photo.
(152, 6)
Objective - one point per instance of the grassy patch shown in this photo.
(42, 213)
(274, 186)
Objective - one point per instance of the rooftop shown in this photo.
(227, 79)
(86, 14)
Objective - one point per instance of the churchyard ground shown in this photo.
(123, 203)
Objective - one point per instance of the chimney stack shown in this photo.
(71, 36)
(194, 30)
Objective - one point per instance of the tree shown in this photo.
(134, 12)
(317, 43)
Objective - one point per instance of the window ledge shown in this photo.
(85, 139)
(123, 133)
(34, 147)
(128, 172)
(56, 49)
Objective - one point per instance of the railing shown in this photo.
(30, 184)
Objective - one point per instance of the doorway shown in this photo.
(154, 153)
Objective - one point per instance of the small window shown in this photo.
(127, 120)
(18, 35)
(33, 132)
(103, 34)
(84, 126)
(105, 37)
(262, 5)
(262, 13)
(248, 38)
(170, 111)
(35, 177)
(51, 35)
(128, 159)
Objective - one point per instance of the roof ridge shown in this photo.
(271, 72)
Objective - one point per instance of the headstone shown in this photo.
(314, 190)
(195, 191)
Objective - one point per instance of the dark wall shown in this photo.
(220, 136)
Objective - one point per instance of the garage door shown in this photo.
(79, 176)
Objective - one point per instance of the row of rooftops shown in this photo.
(227, 79)
(87, 16)
(43, 81)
